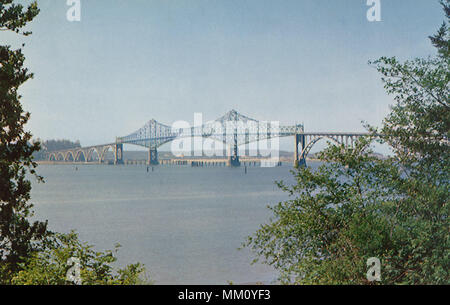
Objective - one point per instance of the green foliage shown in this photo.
(356, 206)
(50, 266)
(17, 234)
(52, 145)
(13, 17)
(418, 126)
(321, 235)
(442, 39)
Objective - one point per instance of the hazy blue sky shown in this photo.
(128, 61)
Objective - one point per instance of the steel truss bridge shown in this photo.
(227, 132)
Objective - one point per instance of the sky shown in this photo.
(294, 61)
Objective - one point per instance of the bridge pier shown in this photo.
(152, 156)
(118, 154)
(299, 160)
(233, 159)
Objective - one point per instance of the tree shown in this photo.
(17, 234)
(441, 40)
(356, 206)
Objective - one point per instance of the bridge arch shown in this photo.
(52, 157)
(105, 150)
(60, 156)
(78, 155)
(69, 155)
(90, 154)
(316, 139)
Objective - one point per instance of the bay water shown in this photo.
(184, 223)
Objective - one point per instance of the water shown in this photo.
(185, 224)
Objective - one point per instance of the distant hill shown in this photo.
(53, 145)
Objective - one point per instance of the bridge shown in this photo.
(226, 133)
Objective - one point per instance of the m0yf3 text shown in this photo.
(244, 294)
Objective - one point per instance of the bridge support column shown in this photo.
(152, 156)
(118, 154)
(233, 159)
(299, 160)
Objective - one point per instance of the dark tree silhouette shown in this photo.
(18, 236)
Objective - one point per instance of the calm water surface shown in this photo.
(185, 224)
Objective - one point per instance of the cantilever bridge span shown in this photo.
(231, 130)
